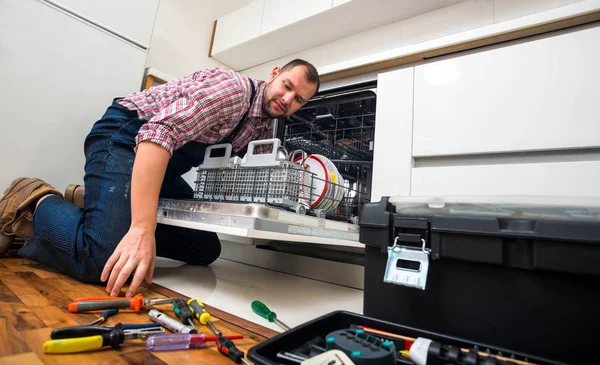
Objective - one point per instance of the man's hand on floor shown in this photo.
(136, 251)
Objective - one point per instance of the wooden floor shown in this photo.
(34, 300)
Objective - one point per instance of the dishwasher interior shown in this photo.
(338, 124)
(261, 202)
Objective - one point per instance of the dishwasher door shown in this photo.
(258, 222)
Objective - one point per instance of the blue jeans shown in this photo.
(78, 241)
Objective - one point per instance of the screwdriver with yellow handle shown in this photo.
(262, 310)
(197, 308)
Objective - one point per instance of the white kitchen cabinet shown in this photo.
(536, 95)
(279, 13)
(392, 154)
(133, 19)
(581, 178)
(238, 27)
(265, 30)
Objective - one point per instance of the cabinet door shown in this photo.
(132, 18)
(537, 95)
(279, 13)
(239, 26)
(575, 178)
(392, 159)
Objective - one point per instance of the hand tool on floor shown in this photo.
(182, 311)
(84, 331)
(227, 348)
(262, 310)
(100, 303)
(169, 323)
(202, 315)
(104, 316)
(98, 337)
(182, 341)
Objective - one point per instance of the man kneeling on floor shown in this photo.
(137, 153)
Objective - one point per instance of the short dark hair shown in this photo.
(311, 74)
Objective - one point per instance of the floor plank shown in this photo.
(29, 358)
(16, 264)
(141, 357)
(43, 271)
(6, 295)
(11, 340)
(20, 317)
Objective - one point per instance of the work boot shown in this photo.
(17, 207)
(74, 193)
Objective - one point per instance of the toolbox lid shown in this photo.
(530, 232)
(502, 206)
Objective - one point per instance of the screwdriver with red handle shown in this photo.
(227, 348)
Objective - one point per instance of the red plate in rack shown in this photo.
(319, 185)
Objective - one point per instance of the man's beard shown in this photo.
(265, 108)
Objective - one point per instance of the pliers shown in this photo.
(84, 338)
(100, 303)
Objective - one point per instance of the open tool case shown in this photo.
(508, 276)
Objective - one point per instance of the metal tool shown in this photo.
(169, 323)
(84, 331)
(227, 348)
(181, 341)
(96, 337)
(202, 315)
(104, 316)
(183, 312)
(262, 310)
(135, 303)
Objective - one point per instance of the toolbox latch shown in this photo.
(407, 266)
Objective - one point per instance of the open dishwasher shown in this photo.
(267, 198)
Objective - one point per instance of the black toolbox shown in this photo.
(518, 276)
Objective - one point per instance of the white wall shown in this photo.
(453, 19)
(58, 76)
(182, 34)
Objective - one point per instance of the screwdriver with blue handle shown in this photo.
(104, 316)
(262, 310)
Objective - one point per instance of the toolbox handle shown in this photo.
(263, 159)
(216, 156)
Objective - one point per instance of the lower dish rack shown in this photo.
(261, 178)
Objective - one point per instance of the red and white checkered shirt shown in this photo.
(205, 107)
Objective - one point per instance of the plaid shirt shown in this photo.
(205, 106)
